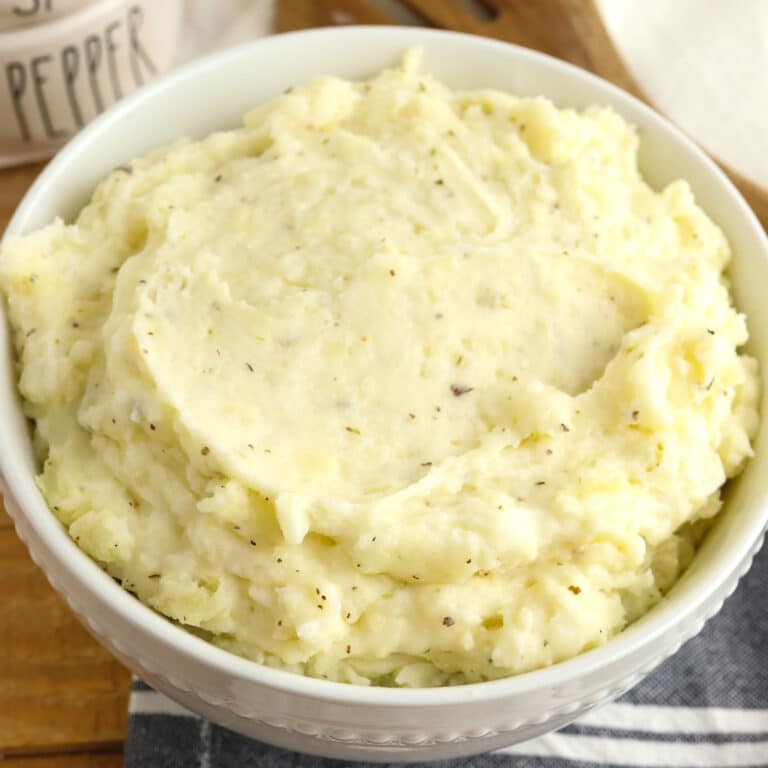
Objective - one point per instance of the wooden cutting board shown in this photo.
(63, 699)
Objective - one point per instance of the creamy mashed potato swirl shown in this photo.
(393, 384)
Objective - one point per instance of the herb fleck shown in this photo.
(205, 450)
(573, 588)
(460, 389)
(448, 621)
(352, 430)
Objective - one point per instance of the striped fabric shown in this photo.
(707, 707)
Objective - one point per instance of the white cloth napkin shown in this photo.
(211, 26)
(704, 63)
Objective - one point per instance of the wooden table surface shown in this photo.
(63, 698)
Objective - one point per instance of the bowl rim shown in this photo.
(102, 587)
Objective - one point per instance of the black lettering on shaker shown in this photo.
(70, 65)
(135, 19)
(18, 10)
(111, 48)
(92, 59)
(39, 79)
(16, 75)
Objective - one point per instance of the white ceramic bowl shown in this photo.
(71, 62)
(315, 715)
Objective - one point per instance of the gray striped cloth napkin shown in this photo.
(707, 707)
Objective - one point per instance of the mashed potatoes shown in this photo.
(391, 385)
